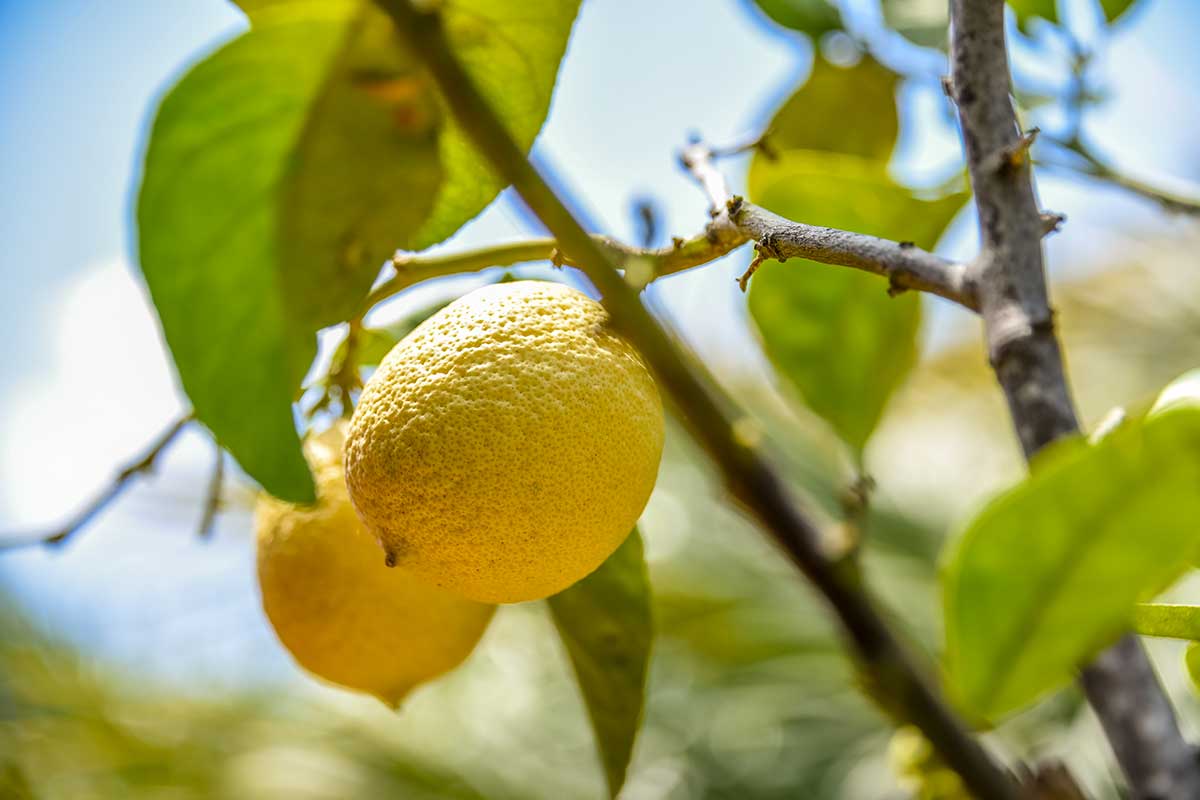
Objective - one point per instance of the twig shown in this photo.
(1135, 712)
(1091, 165)
(902, 263)
(144, 463)
(900, 684)
(212, 498)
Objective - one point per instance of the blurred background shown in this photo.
(136, 662)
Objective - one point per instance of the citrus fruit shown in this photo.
(506, 447)
(342, 614)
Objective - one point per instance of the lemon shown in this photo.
(506, 447)
(343, 615)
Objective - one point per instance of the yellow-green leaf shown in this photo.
(606, 627)
(1049, 573)
(834, 333)
(286, 167)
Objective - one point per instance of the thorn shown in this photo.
(1015, 155)
(676, 242)
(1052, 222)
(557, 259)
(948, 88)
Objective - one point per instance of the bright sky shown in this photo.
(86, 381)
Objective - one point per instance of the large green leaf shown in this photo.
(1027, 10)
(605, 624)
(1049, 572)
(284, 169)
(923, 22)
(839, 109)
(834, 333)
(814, 17)
(1113, 9)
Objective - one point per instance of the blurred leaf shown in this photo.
(923, 22)
(1026, 10)
(1169, 621)
(1191, 660)
(834, 333)
(1115, 8)
(605, 624)
(814, 17)
(1048, 573)
(840, 109)
(285, 168)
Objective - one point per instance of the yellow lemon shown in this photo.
(506, 447)
(343, 615)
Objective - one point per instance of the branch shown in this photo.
(1092, 165)
(713, 419)
(734, 223)
(144, 463)
(902, 263)
(212, 500)
(1121, 686)
(640, 264)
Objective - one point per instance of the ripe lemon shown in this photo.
(345, 616)
(506, 447)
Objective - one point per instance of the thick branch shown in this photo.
(714, 421)
(144, 463)
(1121, 686)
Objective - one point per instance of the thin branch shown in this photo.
(1090, 164)
(144, 463)
(902, 263)
(641, 265)
(212, 497)
(902, 687)
(734, 222)
(1167, 621)
(1121, 686)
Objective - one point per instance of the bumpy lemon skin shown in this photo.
(343, 615)
(506, 447)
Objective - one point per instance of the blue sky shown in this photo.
(86, 382)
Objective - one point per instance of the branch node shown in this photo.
(677, 242)
(557, 258)
(733, 205)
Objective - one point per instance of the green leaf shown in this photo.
(1191, 660)
(1113, 9)
(839, 109)
(923, 22)
(814, 17)
(605, 624)
(284, 169)
(1049, 572)
(1027, 10)
(834, 333)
